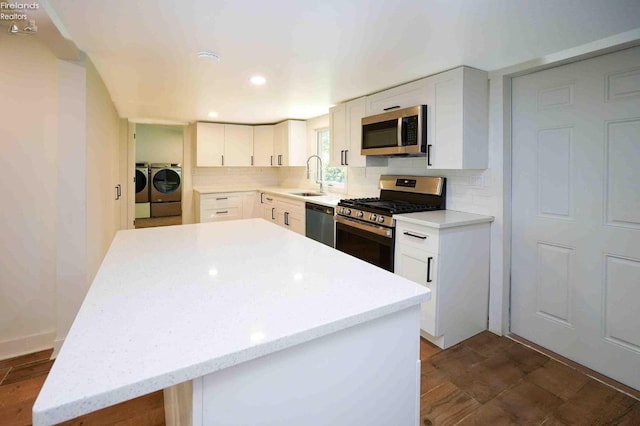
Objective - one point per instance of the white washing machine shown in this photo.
(166, 189)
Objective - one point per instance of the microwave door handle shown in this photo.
(400, 131)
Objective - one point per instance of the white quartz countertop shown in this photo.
(329, 200)
(174, 303)
(442, 219)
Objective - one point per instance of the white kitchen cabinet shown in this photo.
(454, 264)
(355, 111)
(209, 144)
(223, 145)
(238, 145)
(458, 119)
(263, 140)
(290, 143)
(405, 96)
(286, 212)
(457, 115)
(337, 134)
(291, 215)
(220, 206)
(268, 207)
(345, 123)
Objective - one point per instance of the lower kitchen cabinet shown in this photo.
(291, 215)
(283, 211)
(268, 207)
(454, 264)
(220, 206)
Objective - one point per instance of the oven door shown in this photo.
(371, 243)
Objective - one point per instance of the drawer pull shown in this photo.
(269, 199)
(223, 212)
(222, 198)
(422, 237)
(391, 107)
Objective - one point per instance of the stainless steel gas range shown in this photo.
(365, 227)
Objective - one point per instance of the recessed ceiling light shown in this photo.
(258, 80)
(207, 54)
(213, 114)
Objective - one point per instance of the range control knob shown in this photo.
(360, 214)
(381, 219)
(373, 217)
(347, 211)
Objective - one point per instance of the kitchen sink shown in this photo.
(308, 194)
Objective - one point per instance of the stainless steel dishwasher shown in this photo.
(319, 223)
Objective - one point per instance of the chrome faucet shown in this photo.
(308, 171)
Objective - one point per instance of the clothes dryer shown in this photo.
(166, 189)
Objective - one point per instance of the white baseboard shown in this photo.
(57, 344)
(26, 345)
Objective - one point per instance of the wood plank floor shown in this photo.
(152, 222)
(492, 380)
(21, 379)
(485, 380)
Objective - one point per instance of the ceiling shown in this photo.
(313, 53)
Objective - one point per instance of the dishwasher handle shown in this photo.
(319, 208)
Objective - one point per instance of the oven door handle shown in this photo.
(378, 230)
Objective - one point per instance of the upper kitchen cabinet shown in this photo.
(290, 143)
(345, 122)
(405, 96)
(458, 119)
(209, 144)
(238, 145)
(263, 138)
(223, 145)
(337, 134)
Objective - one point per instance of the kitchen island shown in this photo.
(241, 322)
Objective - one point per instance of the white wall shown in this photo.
(28, 151)
(158, 144)
(59, 146)
(103, 171)
(71, 227)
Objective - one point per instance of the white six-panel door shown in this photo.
(576, 212)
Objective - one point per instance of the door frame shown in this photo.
(500, 154)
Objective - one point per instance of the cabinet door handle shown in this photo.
(342, 157)
(429, 155)
(429, 259)
(273, 213)
(252, 160)
(286, 218)
(223, 212)
(261, 198)
(409, 234)
(279, 159)
(223, 160)
(392, 107)
(222, 198)
(272, 160)
(118, 189)
(346, 161)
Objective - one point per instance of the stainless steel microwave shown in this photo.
(399, 132)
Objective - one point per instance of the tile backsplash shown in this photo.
(473, 191)
(240, 177)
